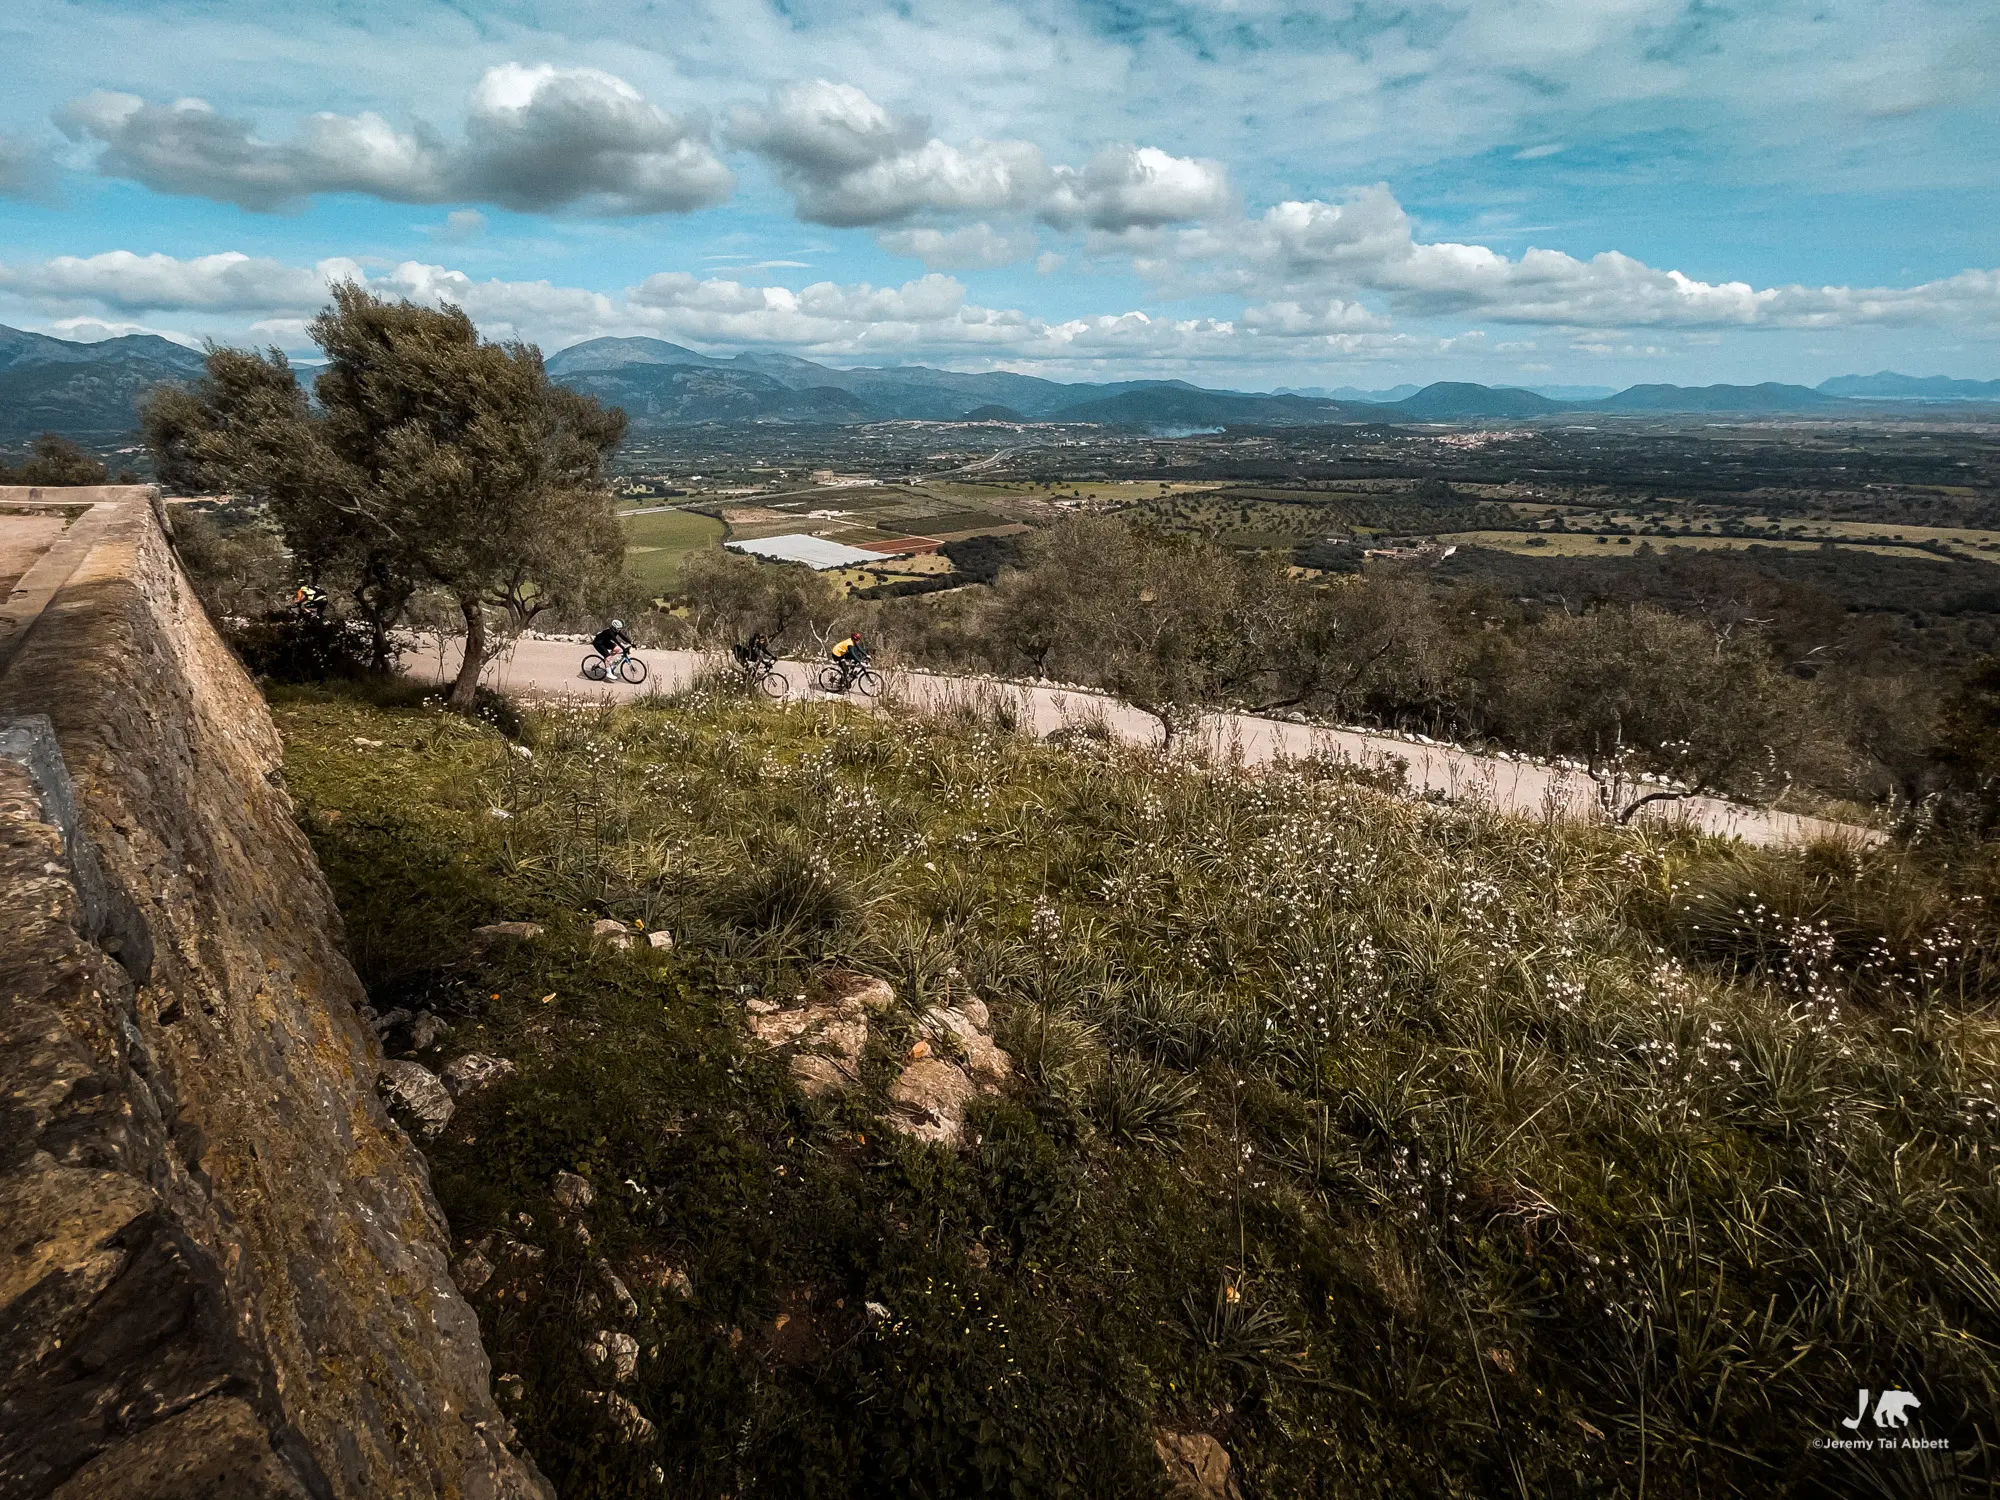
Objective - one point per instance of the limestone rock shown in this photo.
(628, 1305)
(472, 1272)
(617, 1352)
(572, 1192)
(496, 934)
(659, 937)
(472, 1071)
(1197, 1466)
(929, 1099)
(958, 1029)
(611, 930)
(416, 1090)
(624, 1419)
(426, 1031)
(826, 1031)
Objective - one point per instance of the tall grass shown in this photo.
(1408, 1149)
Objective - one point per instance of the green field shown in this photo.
(656, 545)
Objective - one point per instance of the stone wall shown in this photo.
(222, 1272)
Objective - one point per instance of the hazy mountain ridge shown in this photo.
(92, 390)
(83, 390)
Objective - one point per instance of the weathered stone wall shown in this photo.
(222, 1271)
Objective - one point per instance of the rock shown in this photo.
(472, 1272)
(659, 937)
(987, 1062)
(827, 1032)
(1197, 1466)
(511, 1387)
(928, 1100)
(621, 1416)
(415, 1089)
(866, 991)
(628, 1305)
(387, 1021)
(974, 1010)
(425, 1032)
(611, 930)
(572, 1192)
(619, 1351)
(472, 1071)
(497, 933)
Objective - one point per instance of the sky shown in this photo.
(1244, 193)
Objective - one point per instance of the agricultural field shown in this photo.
(1001, 1112)
(657, 543)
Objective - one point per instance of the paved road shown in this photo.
(551, 668)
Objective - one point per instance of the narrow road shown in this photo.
(542, 668)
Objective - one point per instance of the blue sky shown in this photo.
(1246, 193)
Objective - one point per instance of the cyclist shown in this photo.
(850, 656)
(612, 643)
(310, 600)
(755, 654)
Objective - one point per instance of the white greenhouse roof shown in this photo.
(813, 551)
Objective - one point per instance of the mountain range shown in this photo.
(91, 391)
(83, 390)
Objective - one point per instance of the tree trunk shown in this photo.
(467, 685)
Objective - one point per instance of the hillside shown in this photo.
(83, 390)
(1004, 1117)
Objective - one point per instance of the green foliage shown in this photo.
(56, 460)
(1410, 1149)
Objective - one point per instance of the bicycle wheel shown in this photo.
(593, 667)
(773, 685)
(866, 683)
(832, 680)
(632, 669)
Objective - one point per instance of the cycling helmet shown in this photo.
(617, 624)
(856, 636)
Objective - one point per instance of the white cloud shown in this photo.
(1137, 187)
(1365, 243)
(974, 247)
(848, 160)
(123, 281)
(535, 139)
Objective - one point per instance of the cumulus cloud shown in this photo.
(975, 247)
(1137, 187)
(535, 139)
(1365, 243)
(848, 160)
(929, 316)
(229, 282)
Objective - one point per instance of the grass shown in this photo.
(657, 545)
(1407, 1149)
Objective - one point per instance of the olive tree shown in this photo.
(429, 458)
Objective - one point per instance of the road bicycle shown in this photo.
(625, 665)
(767, 679)
(836, 678)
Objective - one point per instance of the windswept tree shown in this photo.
(1151, 619)
(431, 458)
